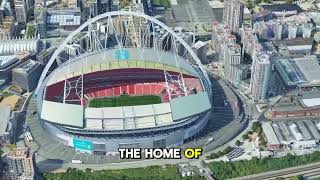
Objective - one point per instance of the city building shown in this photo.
(27, 74)
(21, 11)
(44, 56)
(250, 42)
(299, 46)
(7, 125)
(294, 134)
(232, 58)
(221, 38)
(260, 75)
(301, 104)
(287, 27)
(239, 73)
(233, 14)
(7, 63)
(201, 49)
(298, 72)
(21, 164)
(7, 28)
(12, 46)
(60, 22)
(5, 9)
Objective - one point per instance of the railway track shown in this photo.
(307, 171)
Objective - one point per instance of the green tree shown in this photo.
(289, 1)
(238, 143)
(245, 136)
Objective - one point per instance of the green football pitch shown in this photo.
(124, 100)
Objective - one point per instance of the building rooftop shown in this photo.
(18, 153)
(5, 61)
(64, 19)
(298, 42)
(27, 66)
(263, 58)
(299, 71)
(293, 130)
(282, 7)
(270, 134)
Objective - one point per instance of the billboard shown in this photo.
(82, 145)
(122, 54)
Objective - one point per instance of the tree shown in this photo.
(238, 143)
(289, 1)
(227, 150)
(245, 136)
(256, 126)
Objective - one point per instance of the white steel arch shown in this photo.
(64, 45)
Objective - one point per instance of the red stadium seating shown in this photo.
(124, 88)
(131, 89)
(116, 90)
(146, 89)
(132, 81)
(139, 89)
(109, 92)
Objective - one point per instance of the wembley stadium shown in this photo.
(115, 89)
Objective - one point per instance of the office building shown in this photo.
(27, 74)
(21, 164)
(233, 14)
(260, 75)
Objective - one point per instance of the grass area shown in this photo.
(124, 100)
(227, 170)
(30, 31)
(164, 3)
(152, 172)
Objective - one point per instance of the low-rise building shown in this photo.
(21, 164)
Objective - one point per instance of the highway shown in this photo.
(309, 170)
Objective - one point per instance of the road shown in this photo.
(308, 170)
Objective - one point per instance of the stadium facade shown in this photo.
(131, 69)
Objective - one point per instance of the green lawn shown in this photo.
(167, 172)
(164, 3)
(124, 100)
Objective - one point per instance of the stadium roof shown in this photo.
(189, 105)
(132, 58)
(64, 114)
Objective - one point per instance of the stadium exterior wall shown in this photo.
(111, 144)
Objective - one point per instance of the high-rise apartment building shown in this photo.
(233, 14)
(21, 11)
(21, 164)
(260, 75)
(232, 57)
